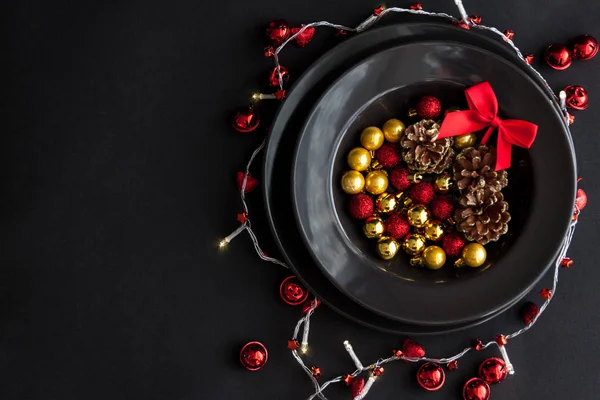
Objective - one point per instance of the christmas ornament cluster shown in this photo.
(432, 198)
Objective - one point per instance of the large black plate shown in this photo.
(381, 87)
(277, 160)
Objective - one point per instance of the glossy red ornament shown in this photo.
(278, 31)
(316, 371)
(253, 356)
(428, 107)
(292, 292)
(399, 178)
(453, 244)
(476, 389)
(274, 76)
(546, 293)
(509, 34)
(477, 344)
(422, 193)
(566, 262)
(558, 57)
(584, 47)
(377, 12)
(251, 182)
(493, 370)
(580, 199)
(431, 376)
(293, 344)
(245, 120)
(397, 226)
(501, 340)
(269, 51)
(242, 218)
(577, 97)
(416, 6)
(412, 349)
(388, 155)
(378, 371)
(361, 206)
(475, 19)
(347, 379)
(280, 94)
(529, 311)
(357, 386)
(442, 207)
(309, 304)
(452, 365)
(305, 37)
(529, 58)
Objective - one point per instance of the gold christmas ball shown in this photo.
(373, 227)
(371, 138)
(434, 257)
(353, 182)
(464, 141)
(434, 230)
(473, 255)
(418, 215)
(414, 244)
(393, 130)
(442, 183)
(359, 159)
(376, 182)
(387, 248)
(386, 203)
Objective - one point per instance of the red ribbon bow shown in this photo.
(483, 113)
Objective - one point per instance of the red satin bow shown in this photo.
(483, 113)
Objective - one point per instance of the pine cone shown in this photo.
(483, 216)
(422, 152)
(474, 168)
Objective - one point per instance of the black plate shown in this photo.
(277, 161)
(384, 86)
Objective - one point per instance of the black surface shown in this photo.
(118, 169)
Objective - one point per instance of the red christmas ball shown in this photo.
(442, 207)
(493, 370)
(422, 193)
(558, 57)
(577, 97)
(431, 376)
(251, 182)
(584, 47)
(529, 311)
(412, 349)
(245, 120)
(399, 178)
(396, 226)
(274, 76)
(253, 356)
(357, 386)
(476, 389)
(428, 107)
(361, 206)
(292, 291)
(305, 37)
(278, 31)
(581, 199)
(388, 155)
(453, 244)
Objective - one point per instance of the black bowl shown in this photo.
(384, 86)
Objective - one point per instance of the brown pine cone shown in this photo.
(479, 198)
(474, 168)
(422, 152)
(483, 216)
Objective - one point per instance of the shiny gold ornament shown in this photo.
(353, 182)
(418, 215)
(464, 141)
(371, 138)
(359, 159)
(434, 230)
(411, 112)
(473, 255)
(414, 244)
(442, 183)
(387, 248)
(376, 182)
(386, 203)
(373, 227)
(393, 130)
(433, 257)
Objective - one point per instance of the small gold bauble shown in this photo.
(353, 182)
(376, 182)
(434, 230)
(386, 203)
(393, 130)
(442, 183)
(433, 257)
(464, 141)
(418, 215)
(473, 255)
(359, 159)
(414, 244)
(373, 227)
(371, 138)
(387, 248)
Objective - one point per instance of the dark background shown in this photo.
(117, 182)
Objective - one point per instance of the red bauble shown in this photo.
(431, 376)
(581, 199)
(529, 311)
(361, 206)
(396, 226)
(278, 31)
(305, 37)
(309, 304)
(357, 386)
(245, 120)
(274, 76)
(493, 370)
(476, 389)
(388, 155)
(558, 57)
(577, 97)
(292, 291)
(428, 107)
(399, 178)
(251, 182)
(253, 356)
(453, 244)
(412, 349)
(442, 207)
(584, 47)
(422, 193)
